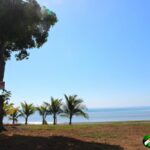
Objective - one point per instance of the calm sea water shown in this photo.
(98, 115)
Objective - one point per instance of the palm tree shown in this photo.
(27, 110)
(7, 108)
(43, 111)
(55, 108)
(74, 107)
(14, 114)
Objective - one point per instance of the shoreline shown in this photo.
(87, 123)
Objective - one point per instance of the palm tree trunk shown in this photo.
(2, 70)
(13, 121)
(70, 120)
(26, 120)
(54, 119)
(43, 120)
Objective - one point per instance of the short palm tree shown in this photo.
(14, 114)
(43, 111)
(27, 110)
(55, 108)
(74, 107)
(7, 108)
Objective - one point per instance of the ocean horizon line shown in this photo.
(121, 107)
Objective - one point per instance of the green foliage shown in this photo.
(14, 114)
(7, 108)
(74, 107)
(55, 108)
(43, 111)
(5, 95)
(27, 110)
(23, 25)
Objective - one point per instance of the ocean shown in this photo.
(97, 115)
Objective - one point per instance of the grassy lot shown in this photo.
(100, 136)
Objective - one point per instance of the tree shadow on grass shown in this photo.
(19, 142)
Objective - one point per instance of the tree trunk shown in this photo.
(26, 120)
(70, 120)
(54, 119)
(2, 70)
(13, 121)
(43, 120)
(1, 113)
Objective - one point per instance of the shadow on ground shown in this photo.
(17, 142)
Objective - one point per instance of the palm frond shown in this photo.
(27, 109)
(43, 109)
(55, 106)
(79, 112)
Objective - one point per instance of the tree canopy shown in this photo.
(24, 24)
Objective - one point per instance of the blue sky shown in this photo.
(99, 50)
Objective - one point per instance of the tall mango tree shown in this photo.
(24, 24)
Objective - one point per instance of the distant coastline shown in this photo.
(99, 115)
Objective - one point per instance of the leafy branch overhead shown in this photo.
(23, 25)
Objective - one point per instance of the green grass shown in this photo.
(83, 126)
(56, 127)
(93, 131)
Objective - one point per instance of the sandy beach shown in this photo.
(99, 136)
